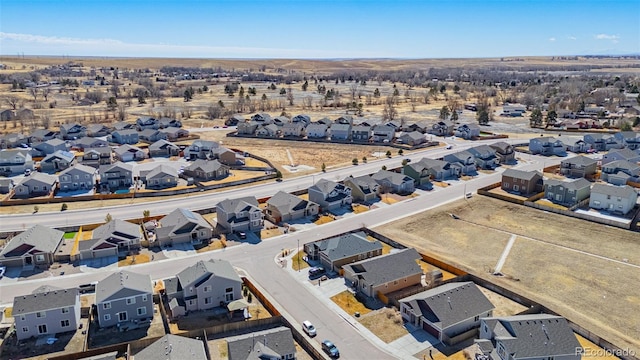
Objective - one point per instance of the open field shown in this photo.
(558, 261)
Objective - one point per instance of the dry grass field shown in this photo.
(386, 323)
(558, 261)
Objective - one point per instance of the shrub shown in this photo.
(63, 207)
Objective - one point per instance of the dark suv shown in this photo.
(330, 349)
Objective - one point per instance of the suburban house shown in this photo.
(146, 122)
(25, 114)
(7, 115)
(619, 172)
(513, 110)
(13, 140)
(547, 146)
(293, 129)
(330, 195)
(88, 142)
(568, 193)
(46, 311)
(124, 297)
(151, 135)
(426, 169)
(15, 161)
(116, 176)
(200, 149)
(360, 133)
(97, 130)
(394, 182)
(77, 177)
(325, 121)
(247, 128)
(6, 185)
(172, 347)
(316, 131)
(575, 145)
(302, 118)
(166, 123)
(42, 135)
(442, 128)
(95, 157)
(128, 152)
(344, 120)
(620, 154)
(206, 170)
(464, 161)
(522, 182)
(602, 142)
(183, 226)
(57, 161)
(225, 156)
(630, 139)
(205, 285)
(235, 120)
(383, 133)
(115, 238)
(485, 157)
(335, 252)
(524, 337)
(127, 136)
(163, 148)
(363, 188)
(270, 130)
(36, 184)
(283, 207)
(262, 118)
(72, 131)
(614, 199)
(275, 343)
(174, 133)
(450, 312)
(468, 131)
(413, 138)
(385, 274)
(123, 125)
(49, 147)
(162, 176)
(579, 166)
(241, 214)
(33, 247)
(340, 131)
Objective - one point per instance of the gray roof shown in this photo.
(387, 268)
(55, 142)
(123, 149)
(182, 220)
(625, 153)
(340, 127)
(449, 304)
(521, 174)
(625, 191)
(621, 164)
(203, 270)
(347, 245)
(103, 150)
(173, 347)
(205, 165)
(117, 228)
(427, 163)
(414, 135)
(162, 144)
(122, 284)
(60, 154)
(39, 178)
(271, 343)
(45, 288)
(44, 301)
(9, 154)
(117, 166)
(502, 145)
(482, 150)
(325, 186)
(125, 132)
(576, 184)
(316, 127)
(78, 168)
(161, 171)
(393, 177)
(286, 203)
(365, 182)
(534, 336)
(148, 132)
(232, 206)
(88, 142)
(37, 237)
(580, 160)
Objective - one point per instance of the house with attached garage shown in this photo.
(384, 274)
(620, 154)
(116, 176)
(275, 343)
(115, 238)
(394, 182)
(128, 152)
(34, 247)
(630, 139)
(620, 172)
(151, 135)
(58, 161)
(123, 125)
(15, 161)
(183, 226)
(485, 157)
(284, 207)
(281, 120)
(262, 118)
(423, 171)
(77, 177)
(316, 131)
(226, 156)
(468, 131)
(413, 138)
(88, 142)
(241, 214)
(442, 128)
(464, 161)
(163, 148)
(127, 136)
(72, 131)
(162, 176)
(6, 185)
(568, 193)
(614, 199)
(335, 252)
(602, 142)
(340, 131)
(49, 147)
(169, 123)
(270, 130)
(174, 133)
(524, 337)
(363, 188)
(36, 184)
(579, 166)
(46, 311)
(504, 152)
(302, 118)
(383, 133)
(205, 285)
(41, 135)
(207, 170)
(247, 128)
(95, 157)
(124, 297)
(12, 140)
(200, 149)
(98, 130)
(235, 120)
(450, 312)
(146, 122)
(172, 347)
(293, 129)
(330, 195)
(522, 182)
(575, 144)
(547, 146)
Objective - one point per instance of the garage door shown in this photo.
(426, 327)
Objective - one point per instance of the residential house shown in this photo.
(46, 311)
(578, 166)
(95, 157)
(33, 247)
(151, 135)
(241, 214)
(281, 120)
(98, 130)
(163, 148)
(49, 147)
(275, 343)
(464, 161)
(77, 177)
(15, 161)
(235, 120)
(316, 131)
(162, 176)
(620, 172)
(413, 138)
(335, 252)
(183, 226)
(325, 121)
(450, 312)
(270, 130)
(127, 136)
(146, 122)
(207, 170)
(394, 182)
(88, 142)
(116, 176)
(128, 152)
(330, 195)
(360, 133)
(124, 297)
(385, 274)
(575, 144)
(293, 129)
(200, 149)
(568, 193)
(468, 131)
(426, 169)
(247, 128)
(13, 140)
(72, 131)
(524, 337)
(284, 207)
(547, 146)
(205, 285)
(522, 182)
(340, 131)
(166, 123)
(513, 110)
(302, 118)
(7, 115)
(42, 135)
(262, 119)
(620, 154)
(485, 157)
(174, 133)
(421, 128)
(57, 161)
(383, 133)
(614, 199)
(344, 120)
(442, 128)
(173, 347)
(504, 152)
(630, 139)
(6, 185)
(363, 188)
(115, 238)
(122, 125)
(602, 142)
(34, 185)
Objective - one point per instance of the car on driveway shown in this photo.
(331, 349)
(316, 272)
(308, 327)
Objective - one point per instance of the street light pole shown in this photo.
(298, 255)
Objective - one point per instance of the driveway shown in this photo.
(178, 250)
(99, 264)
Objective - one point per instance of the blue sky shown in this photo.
(319, 29)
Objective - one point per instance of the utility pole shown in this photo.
(298, 255)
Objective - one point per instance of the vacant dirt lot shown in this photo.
(559, 261)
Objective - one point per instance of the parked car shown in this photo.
(242, 235)
(316, 272)
(330, 348)
(85, 288)
(449, 147)
(308, 327)
(2, 270)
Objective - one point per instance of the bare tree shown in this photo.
(389, 112)
(307, 102)
(46, 119)
(214, 111)
(290, 96)
(45, 93)
(34, 92)
(354, 90)
(12, 101)
(122, 113)
(115, 88)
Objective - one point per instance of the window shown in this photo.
(107, 317)
(207, 288)
(64, 323)
(65, 310)
(42, 329)
(227, 290)
(131, 300)
(106, 305)
(39, 258)
(207, 300)
(25, 329)
(476, 318)
(144, 298)
(142, 311)
(23, 318)
(596, 203)
(122, 316)
(41, 314)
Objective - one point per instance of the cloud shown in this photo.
(552, 39)
(614, 38)
(572, 37)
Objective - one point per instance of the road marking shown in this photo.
(504, 255)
